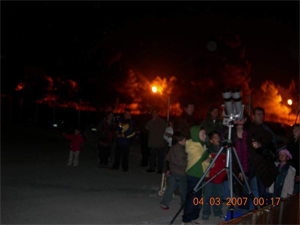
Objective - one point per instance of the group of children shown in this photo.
(189, 159)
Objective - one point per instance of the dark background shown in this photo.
(96, 43)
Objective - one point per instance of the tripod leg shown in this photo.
(186, 200)
(244, 177)
(207, 171)
(196, 188)
(231, 207)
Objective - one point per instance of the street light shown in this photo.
(154, 90)
(290, 102)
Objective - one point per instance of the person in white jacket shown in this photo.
(284, 183)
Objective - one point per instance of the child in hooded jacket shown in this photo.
(198, 162)
(284, 183)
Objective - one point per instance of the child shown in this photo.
(75, 145)
(213, 189)
(177, 162)
(197, 164)
(284, 183)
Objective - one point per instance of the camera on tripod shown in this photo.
(233, 105)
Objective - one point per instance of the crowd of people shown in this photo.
(183, 149)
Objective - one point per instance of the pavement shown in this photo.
(37, 187)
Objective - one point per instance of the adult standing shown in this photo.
(156, 143)
(106, 129)
(184, 123)
(260, 147)
(212, 121)
(259, 118)
(293, 147)
(144, 139)
(125, 132)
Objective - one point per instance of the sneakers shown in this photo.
(220, 216)
(197, 221)
(189, 223)
(205, 217)
(164, 207)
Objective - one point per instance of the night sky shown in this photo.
(92, 41)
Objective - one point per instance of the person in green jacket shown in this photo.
(198, 161)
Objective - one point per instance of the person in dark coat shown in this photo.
(293, 147)
(184, 123)
(156, 143)
(125, 133)
(106, 131)
(144, 139)
(212, 122)
(261, 165)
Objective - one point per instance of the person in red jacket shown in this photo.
(75, 146)
(213, 190)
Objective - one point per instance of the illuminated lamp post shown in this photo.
(290, 102)
(154, 90)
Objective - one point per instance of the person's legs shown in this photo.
(217, 195)
(117, 157)
(254, 190)
(171, 186)
(70, 158)
(76, 158)
(182, 187)
(208, 193)
(152, 158)
(144, 149)
(262, 191)
(125, 152)
(191, 211)
(160, 160)
(106, 155)
(225, 190)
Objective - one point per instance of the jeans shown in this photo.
(174, 181)
(225, 190)
(73, 157)
(121, 152)
(160, 153)
(212, 197)
(191, 211)
(254, 189)
(262, 192)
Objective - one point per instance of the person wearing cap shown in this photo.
(284, 183)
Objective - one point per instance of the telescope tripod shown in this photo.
(228, 168)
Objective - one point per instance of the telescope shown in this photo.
(233, 105)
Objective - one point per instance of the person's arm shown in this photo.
(130, 132)
(67, 136)
(290, 182)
